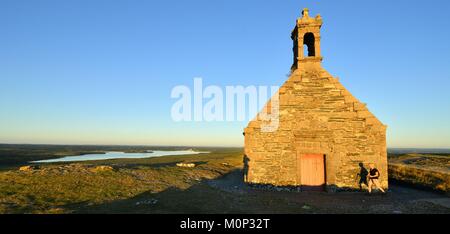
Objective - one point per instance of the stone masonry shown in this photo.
(317, 114)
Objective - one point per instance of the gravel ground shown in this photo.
(399, 200)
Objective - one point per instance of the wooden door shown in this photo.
(312, 171)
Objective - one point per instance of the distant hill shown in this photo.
(418, 150)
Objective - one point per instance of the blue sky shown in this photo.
(101, 72)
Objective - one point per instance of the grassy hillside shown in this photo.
(64, 187)
(158, 185)
(422, 170)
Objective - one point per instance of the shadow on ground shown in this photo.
(228, 194)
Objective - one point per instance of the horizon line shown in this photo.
(163, 145)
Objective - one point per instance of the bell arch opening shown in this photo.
(308, 42)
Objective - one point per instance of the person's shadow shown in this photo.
(363, 173)
(245, 168)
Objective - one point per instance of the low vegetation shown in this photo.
(422, 170)
(203, 183)
(68, 187)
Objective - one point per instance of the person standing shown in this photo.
(363, 173)
(374, 175)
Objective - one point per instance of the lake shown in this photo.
(116, 155)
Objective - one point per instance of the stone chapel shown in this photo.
(325, 138)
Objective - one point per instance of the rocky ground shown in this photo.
(400, 199)
(228, 194)
(161, 185)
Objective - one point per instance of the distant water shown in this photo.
(116, 155)
(418, 151)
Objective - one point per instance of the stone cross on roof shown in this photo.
(305, 13)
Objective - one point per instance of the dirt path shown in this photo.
(400, 199)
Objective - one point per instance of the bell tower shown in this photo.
(306, 38)
(320, 130)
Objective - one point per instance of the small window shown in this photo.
(308, 41)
